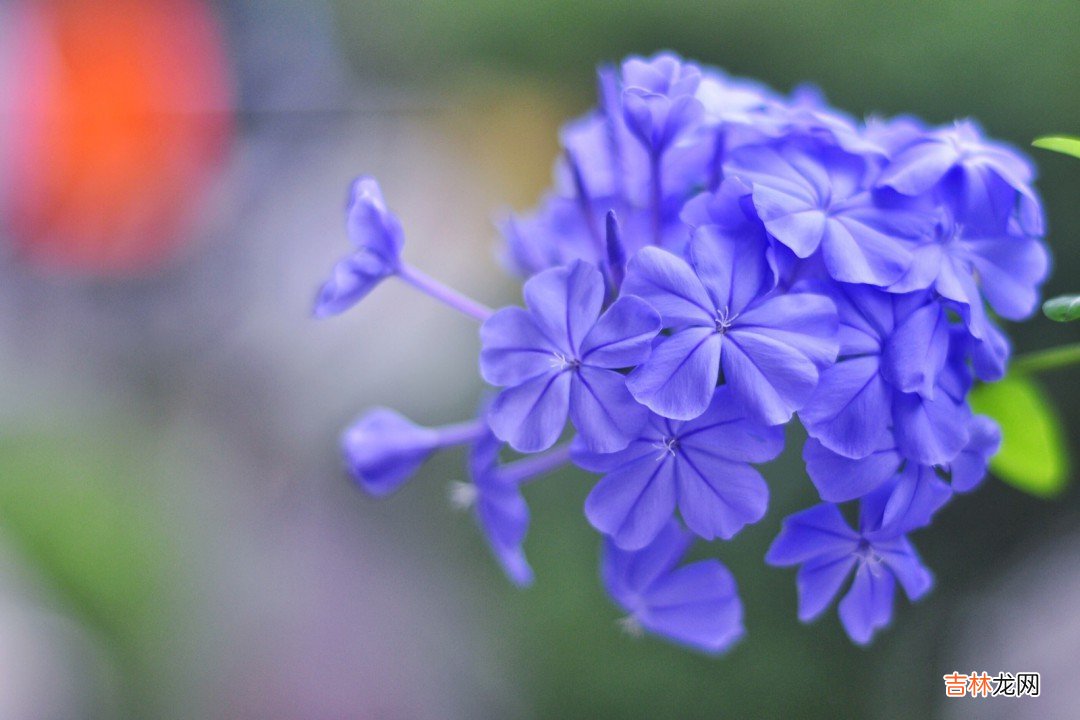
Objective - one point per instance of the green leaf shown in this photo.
(1033, 455)
(1060, 143)
(1064, 308)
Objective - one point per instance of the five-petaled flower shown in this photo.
(696, 605)
(827, 549)
(561, 356)
(701, 465)
(377, 240)
(724, 312)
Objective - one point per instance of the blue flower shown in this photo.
(893, 380)
(988, 180)
(500, 509)
(702, 466)
(696, 605)
(561, 356)
(965, 263)
(828, 550)
(377, 240)
(383, 449)
(658, 99)
(813, 195)
(723, 313)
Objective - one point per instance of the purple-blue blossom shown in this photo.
(828, 551)
(892, 379)
(383, 449)
(815, 196)
(723, 313)
(702, 466)
(560, 357)
(377, 239)
(714, 261)
(494, 492)
(695, 605)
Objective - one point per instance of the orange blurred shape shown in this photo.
(120, 114)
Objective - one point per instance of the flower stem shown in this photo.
(446, 295)
(1050, 359)
(461, 433)
(521, 471)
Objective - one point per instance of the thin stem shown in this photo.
(444, 294)
(1050, 359)
(521, 471)
(461, 433)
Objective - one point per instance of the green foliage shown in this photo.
(1033, 455)
(1064, 144)
(77, 510)
(1064, 308)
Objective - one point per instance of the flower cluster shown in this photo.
(713, 260)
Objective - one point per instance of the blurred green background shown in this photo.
(146, 508)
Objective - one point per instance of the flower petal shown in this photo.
(849, 411)
(806, 322)
(911, 501)
(383, 449)
(733, 270)
(867, 607)
(351, 279)
(818, 582)
(1011, 269)
(931, 432)
(623, 335)
(629, 573)
(771, 378)
(905, 564)
(531, 416)
(370, 224)
(696, 605)
(679, 378)
(919, 168)
(503, 515)
(717, 497)
(816, 532)
(514, 348)
(969, 467)
(726, 431)
(566, 302)
(670, 286)
(839, 479)
(855, 252)
(801, 229)
(633, 503)
(603, 410)
(917, 349)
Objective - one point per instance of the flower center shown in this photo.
(724, 319)
(463, 494)
(562, 362)
(667, 447)
(868, 556)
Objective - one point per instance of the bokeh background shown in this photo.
(177, 538)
